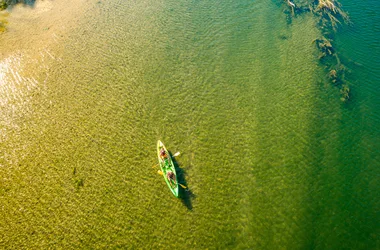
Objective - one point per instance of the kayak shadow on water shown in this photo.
(185, 194)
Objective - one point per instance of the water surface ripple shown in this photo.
(272, 158)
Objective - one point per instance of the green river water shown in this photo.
(271, 156)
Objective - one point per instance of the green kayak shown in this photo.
(167, 168)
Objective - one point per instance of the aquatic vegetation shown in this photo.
(330, 15)
(345, 93)
(332, 6)
(328, 11)
(329, 4)
(3, 22)
(333, 75)
(324, 46)
(3, 5)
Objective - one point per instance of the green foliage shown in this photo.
(3, 5)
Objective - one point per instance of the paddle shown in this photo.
(183, 186)
(176, 154)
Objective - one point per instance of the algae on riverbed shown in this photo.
(330, 15)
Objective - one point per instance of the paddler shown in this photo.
(171, 176)
(163, 154)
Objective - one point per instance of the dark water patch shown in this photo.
(186, 194)
(10, 3)
(283, 37)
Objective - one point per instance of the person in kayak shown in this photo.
(163, 154)
(171, 177)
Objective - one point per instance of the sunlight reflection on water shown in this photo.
(14, 91)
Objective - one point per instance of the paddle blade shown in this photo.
(176, 154)
(159, 172)
(183, 186)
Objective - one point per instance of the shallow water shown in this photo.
(272, 158)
